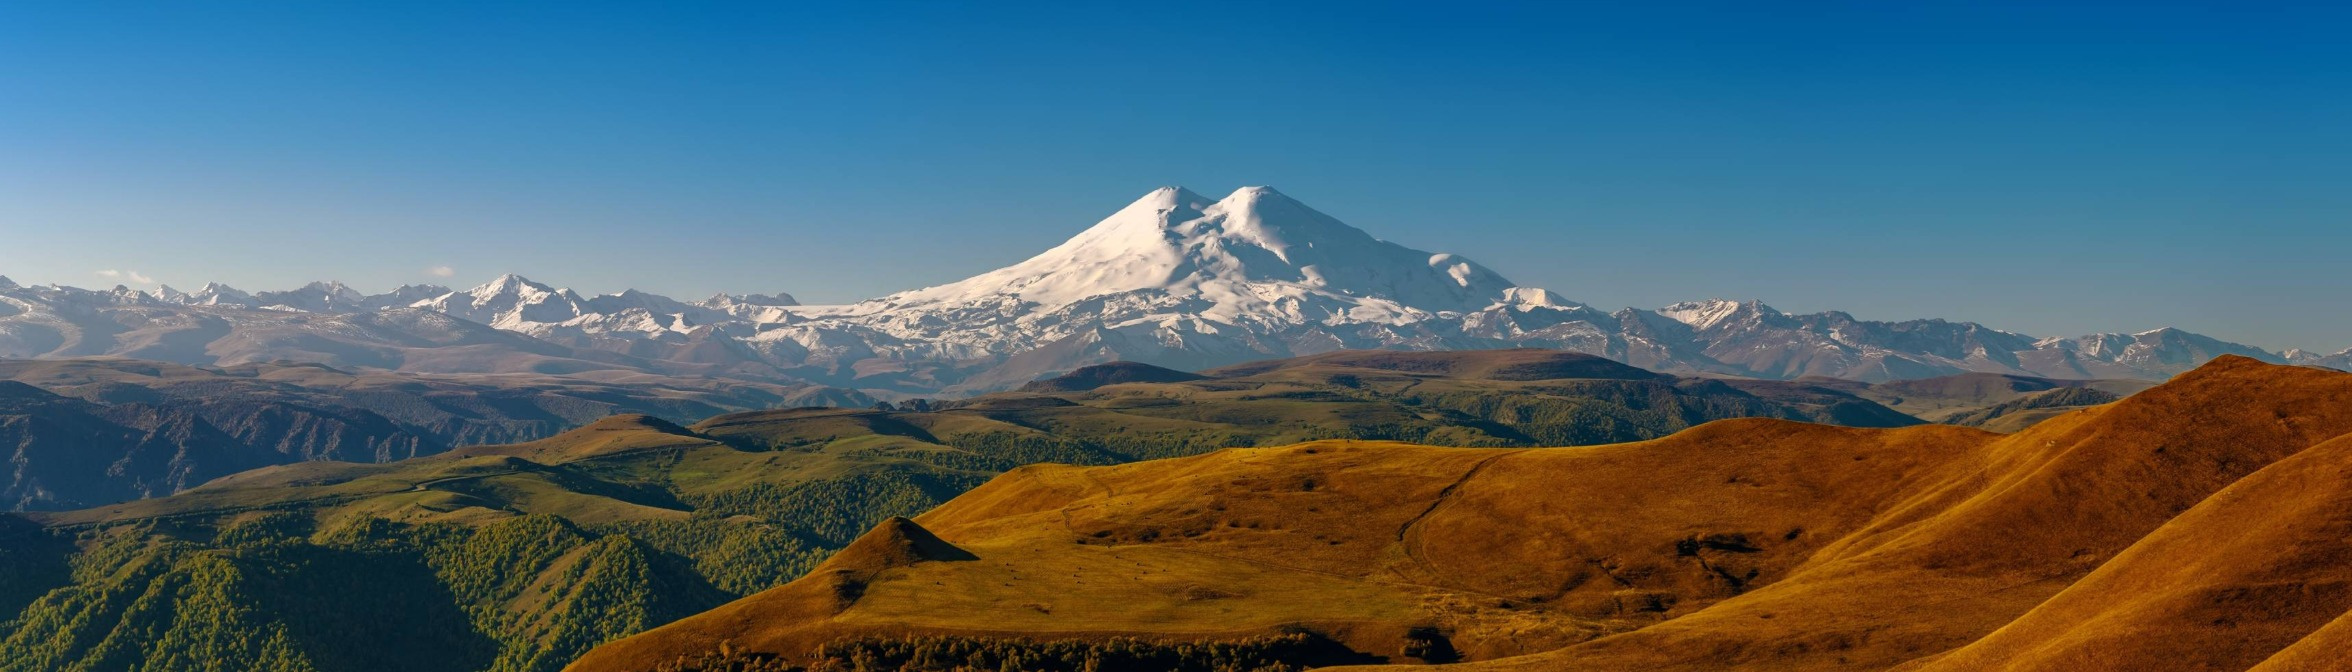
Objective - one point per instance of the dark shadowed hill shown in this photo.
(88, 432)
(1517, 364)
(1090, 377)
(2000, 402)
(1485, 398)
(1993, 401)
(68, 452)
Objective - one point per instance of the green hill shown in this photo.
(520, 557)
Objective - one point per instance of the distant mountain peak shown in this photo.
(1174, 194)
(334, 289)
(1530, 297)
(6, 283)
(724, 300)
(509, 301)
(1703, 315)
(125, 295)
(317, 297)
(508, 283)
(217, 294)
(1254, 255)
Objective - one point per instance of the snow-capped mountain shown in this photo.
(403, 296)
(1181, 279)
(212, 294)
(1255, 256)
(723, 302)
(510, 302)
(2341, 361)
(1175, 279)
(316, 297)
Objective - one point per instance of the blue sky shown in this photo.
(2053, 169)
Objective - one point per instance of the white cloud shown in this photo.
(135, 277)
(441, 271)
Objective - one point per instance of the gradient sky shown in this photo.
(2049, 169)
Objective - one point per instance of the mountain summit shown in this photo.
(508, 302)
(1254, 256)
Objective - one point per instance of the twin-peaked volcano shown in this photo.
(1254, 256)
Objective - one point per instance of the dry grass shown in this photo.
(2198, 525)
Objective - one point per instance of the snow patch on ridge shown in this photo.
(1702, 315)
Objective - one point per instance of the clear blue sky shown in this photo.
(2053, 170)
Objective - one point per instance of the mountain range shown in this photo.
(1175, 279)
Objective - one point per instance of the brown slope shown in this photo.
(2321, 651)
(1744, 544)
(2247, 572)
(1999, 531)
(1032, 568)
(1507, 552)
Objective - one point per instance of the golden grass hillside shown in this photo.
(2198, 524)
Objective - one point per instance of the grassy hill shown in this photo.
(2196, 525)
(520, 557)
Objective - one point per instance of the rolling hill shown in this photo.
(1999, 402)
(505, 558)
(86, 432)
(2194, 525)
(521, 556)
